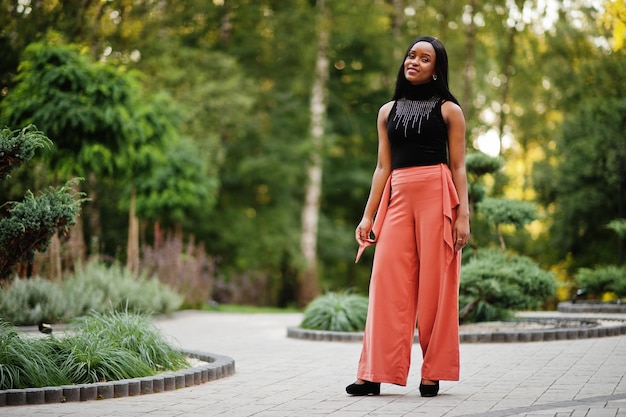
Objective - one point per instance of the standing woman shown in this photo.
(419, 197)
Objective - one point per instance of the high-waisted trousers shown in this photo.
(415, 279)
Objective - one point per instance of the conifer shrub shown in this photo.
(495, 284)
(27, 226)
(602, 279)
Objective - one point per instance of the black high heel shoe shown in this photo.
(429, 390)
(366, 388)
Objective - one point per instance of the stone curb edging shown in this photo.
(609, 328)
(218, 367)
(587, 307)
(606, 329)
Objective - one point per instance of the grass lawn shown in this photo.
(234, 308)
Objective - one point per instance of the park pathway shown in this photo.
(278, 376)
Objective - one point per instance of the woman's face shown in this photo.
(419, 64)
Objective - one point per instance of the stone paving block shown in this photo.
(53, 395)
(120, 389)
(35, 396)
(169, 382)
(231, 368)
(15, 397)
(104, 391)
(572, 334)
(3, 398)
(180, 381)
(146, 385)
(158, 383)
(71, 393)
(88, 392)
(602, 412)
(134, 387)
(189, 378)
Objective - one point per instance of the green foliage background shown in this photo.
(215, 143)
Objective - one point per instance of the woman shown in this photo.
(419, 196)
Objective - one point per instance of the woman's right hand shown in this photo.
(363, 230)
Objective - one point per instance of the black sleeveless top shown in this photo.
(417, 132)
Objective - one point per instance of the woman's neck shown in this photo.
(421, 91)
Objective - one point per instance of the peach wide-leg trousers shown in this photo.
(415, 277)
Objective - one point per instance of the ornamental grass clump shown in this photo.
(27, 362)
(134, 332)
(98, 348)
(339, 312)
(86, 359)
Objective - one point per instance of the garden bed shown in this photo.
(591, 306)
(524, 330)
(212, 367)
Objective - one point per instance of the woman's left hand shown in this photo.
(461, 233)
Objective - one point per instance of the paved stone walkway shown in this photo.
(277, 376)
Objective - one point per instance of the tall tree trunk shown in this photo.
(93, 211)
(396, 28)
(132, 248)
(507, 72)
(75, 252)
(309, 282)
(468, 73)
(54, 256)
(620, 207)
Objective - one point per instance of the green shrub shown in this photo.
(97, 287)
(340, 312)
(100, 347)
(494, 284)
(602, 279)
(30, 301)
(31, 223)
(117, 288)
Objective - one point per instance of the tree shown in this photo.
(583, 181)
(87, 108)
(103, 128)
(619, 227)
(501, 211)
(27, 226)
(309, 286)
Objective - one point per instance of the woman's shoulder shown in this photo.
(385, 109)
(450, 109)
(383, 112)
